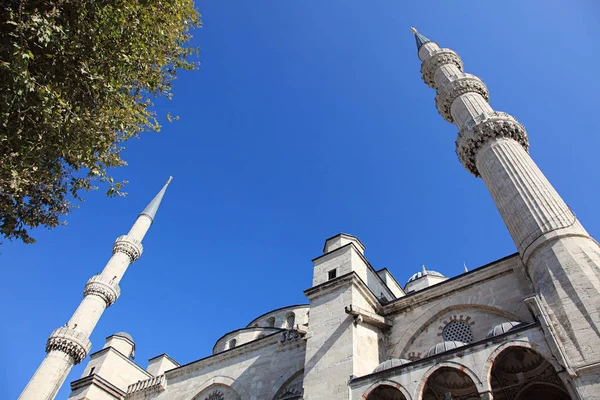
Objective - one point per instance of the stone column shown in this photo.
(559, 256)
(70, 344)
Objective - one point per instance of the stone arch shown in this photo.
(438, 310)
(418, 394)
(225, 382)
(286, 381)
(486, 373)
(521, 370)
(386, 382)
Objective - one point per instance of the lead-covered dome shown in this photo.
(427, 272)
(443, 347)
(503, 328)
(391, 363)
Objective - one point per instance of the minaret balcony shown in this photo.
(128, 245)
(438, 58)
(103, 287)
(483, 128)
(67, 340)
(458, 85)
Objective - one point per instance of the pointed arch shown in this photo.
(386, 382)
(286, 381)
(486, 372)
(223, 383)
(418, 394)
(427, 319)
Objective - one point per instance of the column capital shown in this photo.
(128, 245)
(438, 58)
(484, 128)
(74, 343)
(103, 287)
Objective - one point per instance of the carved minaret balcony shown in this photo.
(69, 345)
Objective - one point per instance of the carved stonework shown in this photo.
(493, 126)
(103, 287)
(74, 343)
(465, 83)
(128, 245)
(439, 58)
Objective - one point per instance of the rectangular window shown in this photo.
(92, 370)
(332, 274)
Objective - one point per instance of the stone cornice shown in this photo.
(244, 349)
(123, 356)
(351, 278)
(99, 382)
(166, 356)
(461, 282)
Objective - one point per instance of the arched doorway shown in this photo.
(449, 383)
(520, 373)
(386, 392)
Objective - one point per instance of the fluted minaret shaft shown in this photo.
(560, 257)
(70, 344)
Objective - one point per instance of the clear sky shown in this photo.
(305, 119)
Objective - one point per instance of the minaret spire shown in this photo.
(70, 344)
(421, 40)
(559, 256)
(152, 207)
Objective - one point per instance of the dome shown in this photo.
(503, 328)
(442, 347)
(394, 362)
(425, 273)
(124, 335)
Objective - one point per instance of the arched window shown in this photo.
(216, 395)
(271, 322)
(232, 344)
(458, 331)
(290, 320)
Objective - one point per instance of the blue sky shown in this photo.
(307, 119)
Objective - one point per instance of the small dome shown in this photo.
(442, 347)
(124, 335)
(394, 362)
(425, 273)
(503, 328)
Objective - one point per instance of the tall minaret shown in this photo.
(70, 344)
(559, 256)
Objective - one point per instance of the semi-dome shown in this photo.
(391, 363)
(124, 335)
(423, 273)
(443, 347)
(503, 328)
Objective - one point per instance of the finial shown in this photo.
(170, 179)
(423, 267)
(413, 29)
(465, 266)
(421, 40)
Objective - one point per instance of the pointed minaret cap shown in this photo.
(421, 40)
(152, 207)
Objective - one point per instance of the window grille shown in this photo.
(232, 343)
(458, 331)
(271, 322)
(290, 321)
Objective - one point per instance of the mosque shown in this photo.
(526, 326)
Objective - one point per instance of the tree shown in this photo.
(77, 79)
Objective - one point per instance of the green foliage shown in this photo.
(76, 81)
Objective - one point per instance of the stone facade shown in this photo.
(523, 327)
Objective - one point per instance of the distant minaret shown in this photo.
(559, 256)
(70, 344)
